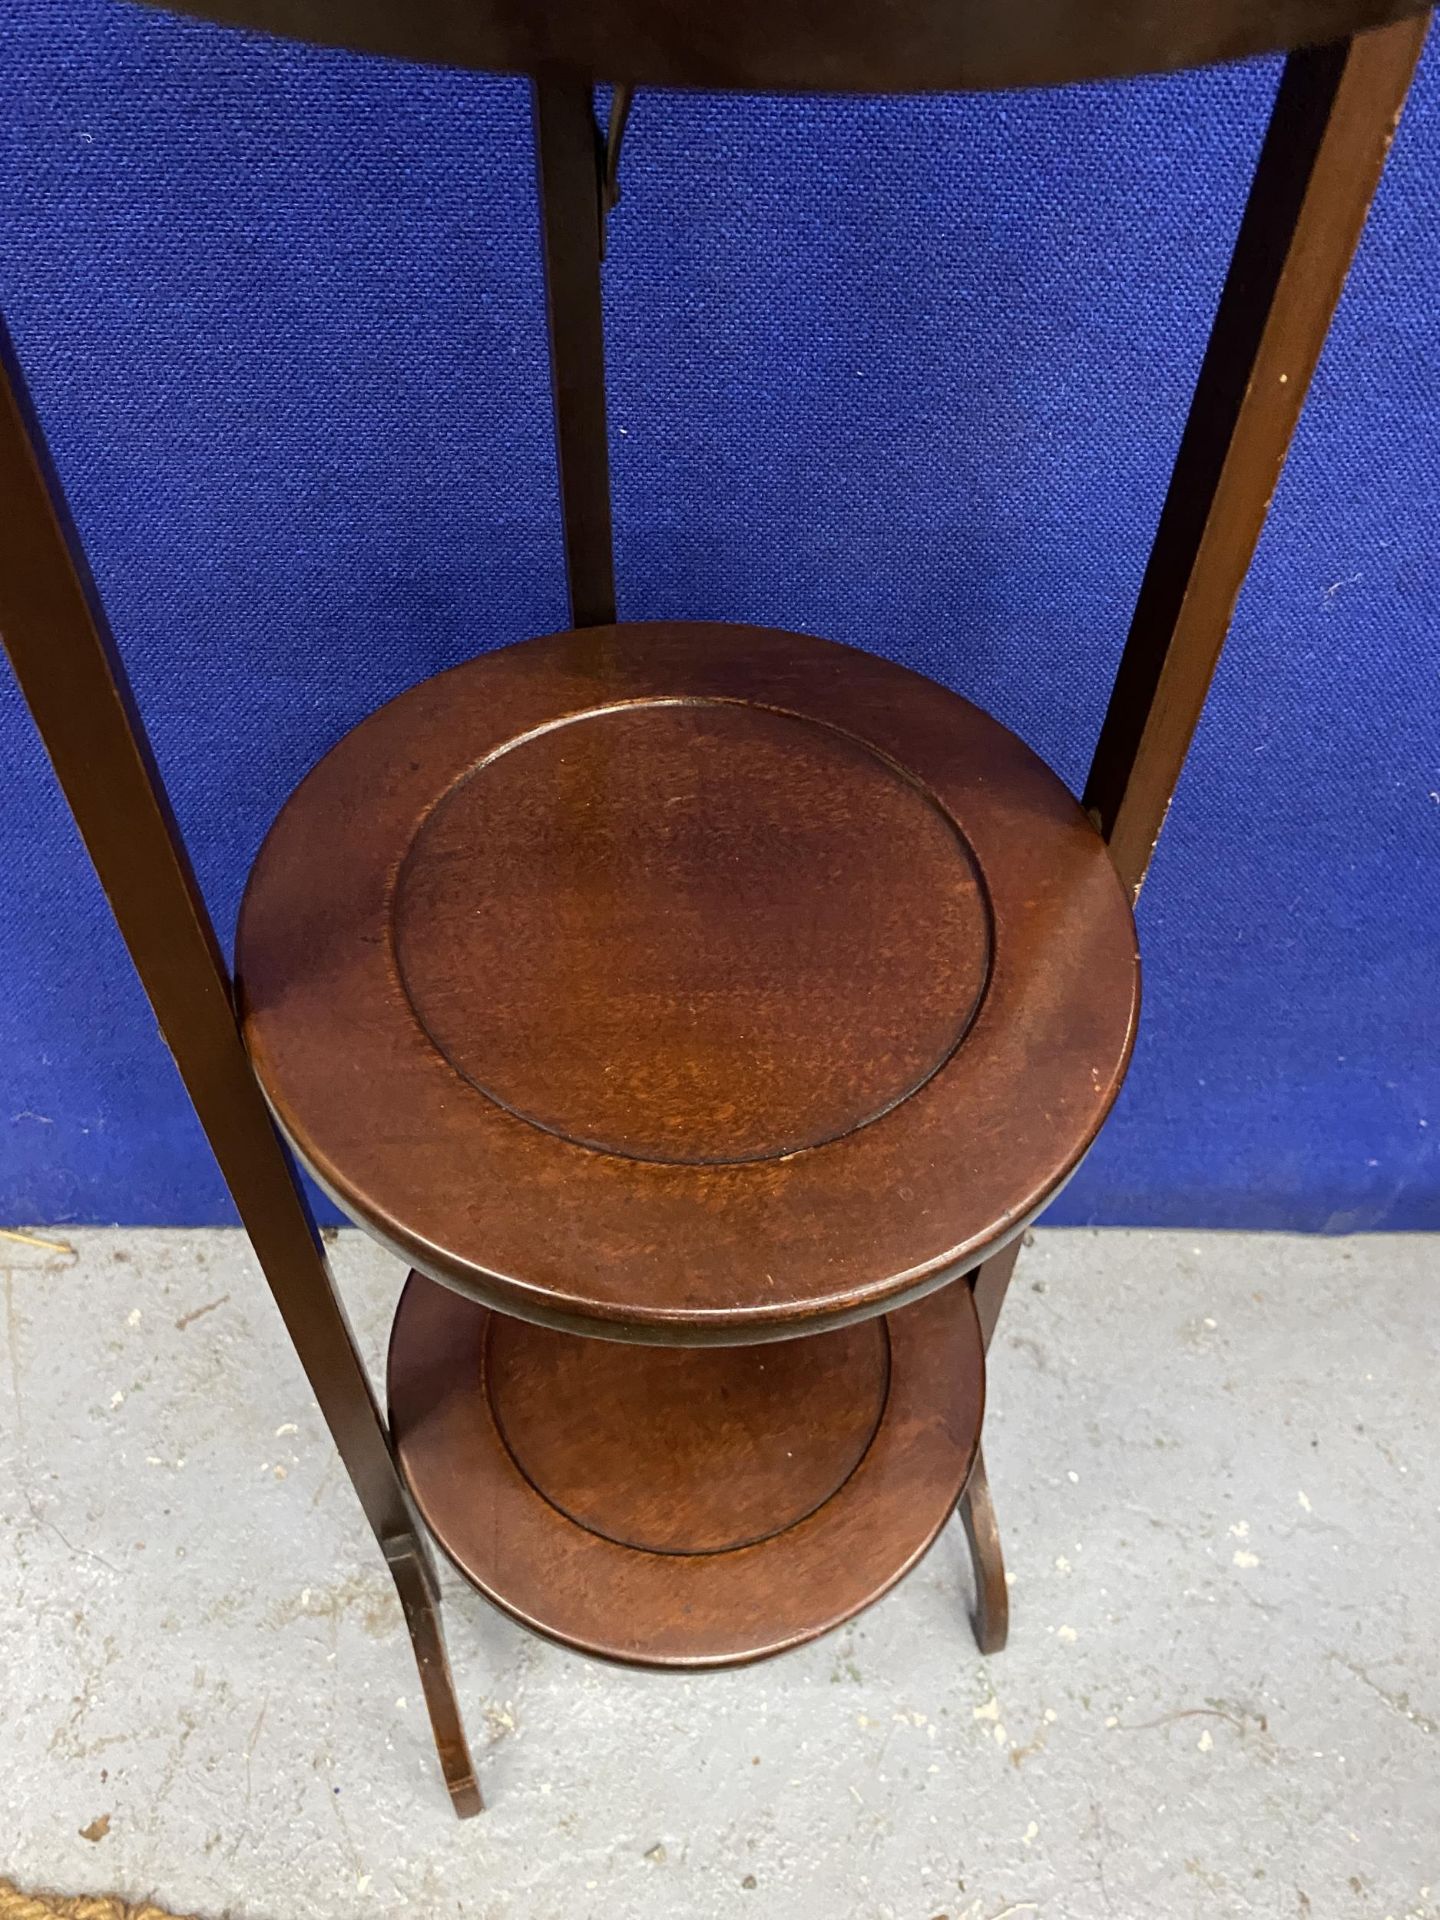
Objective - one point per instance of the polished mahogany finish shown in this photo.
(847, 1176)
(687, 983)
(742, 1477)
(1335, 115)
(699, 933)
(691, 1507)
(990, 1615)
(573, 191)
(868, 46)
(70, 672)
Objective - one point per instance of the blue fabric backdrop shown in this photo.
(907, 373)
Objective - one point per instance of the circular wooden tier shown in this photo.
(687, 983)
(690, 1507)
(866, 46)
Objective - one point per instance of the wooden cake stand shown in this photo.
(701, 1012)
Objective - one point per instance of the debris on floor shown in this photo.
(1216, 1482)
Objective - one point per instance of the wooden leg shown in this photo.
(990, 1283)
(1334, 118)
(74, 683)
(991, 1615)
(572, 189)
(415, 1580)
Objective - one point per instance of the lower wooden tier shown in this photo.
(684, 1506)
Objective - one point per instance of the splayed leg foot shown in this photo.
(991, 1615)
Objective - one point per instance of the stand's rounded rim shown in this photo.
(690, 1246)
(856, 46)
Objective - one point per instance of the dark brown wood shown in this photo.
(776, 975)
(571, 183)
(690, 1507)
(783, 1428)
(414, 1577)
(687, 983)
(72, 679)
(698, 985)
(990, 1618)
(989, 1284)
(869, 46)
(1334, 118)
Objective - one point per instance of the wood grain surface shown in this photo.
(684, 1507)
(687, 983)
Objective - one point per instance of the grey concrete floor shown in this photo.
(1217, 1470)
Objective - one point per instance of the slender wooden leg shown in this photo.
(989, 1283)
(991, 1615)
(71, 676)
(1334, 118)
(573, 186)
(415, 1581)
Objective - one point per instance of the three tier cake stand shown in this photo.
(701, 1012)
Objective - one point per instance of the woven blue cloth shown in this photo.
(905, 373)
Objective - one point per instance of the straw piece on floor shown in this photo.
(15, 1904)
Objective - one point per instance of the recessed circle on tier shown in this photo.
(755, 1438)
(685, 983)
(772, 976)
(577, 1483)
